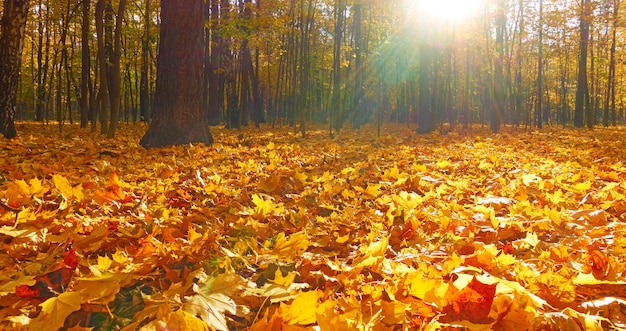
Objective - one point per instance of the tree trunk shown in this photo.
(115, 81)
(144, 85)
(582, 89)
(214, 112)
(11, 44)
(497, 105)
(609, 104)
(358, 54)
(425, 113)
(85, 71)
(539, 110)
(336, 110)
(179, 117)
(103, 94)
(42, 64)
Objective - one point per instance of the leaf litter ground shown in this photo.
(266, 230)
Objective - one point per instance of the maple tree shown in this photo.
(514, 231)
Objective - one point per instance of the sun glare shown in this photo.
(447, 10)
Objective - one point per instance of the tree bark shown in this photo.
(144, 85)
(609, 103)
(216, 100)
(11, 44)
(85, 71)
(539, 110)
(103, 96)
(115, 81)
(497, 105)
(336, 119)
(582, 89)
(179, 117)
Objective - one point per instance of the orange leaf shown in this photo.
(472, 303)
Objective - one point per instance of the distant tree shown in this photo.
(539, 110)
(11, 44)
(179, 116)
(497, 105)
(609, 103)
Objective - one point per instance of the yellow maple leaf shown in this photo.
(193, 235)
(328, 318)
(394, 312)
(584, 186)
(373, 254)
(443, 164)
(289, 248)
(373, 190)
(302, 310)
(263, 207)
(300, 176)
(281, 280)
(55, 310)
(23, 188)
(64, 186)
(104, 263)
(529, 179)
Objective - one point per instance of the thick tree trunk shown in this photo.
(11, 44)
(179, 117)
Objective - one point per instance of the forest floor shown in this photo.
(266, 230)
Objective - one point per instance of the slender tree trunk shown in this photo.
(497, 105)
(85, 71)
(12, 30)
(102, 65)
(305, 63)
(609, 104)
(582, 89)
(425, 89)
(519, 88)
(144, 84)
(215, 101)
(42, 64)
(336, 108)
(539, 110)
(115, 81)
(358, 63)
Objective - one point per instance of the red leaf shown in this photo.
(472, 303)
(70, 259)
(26, 291)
